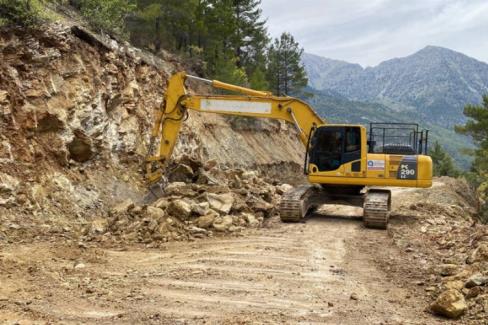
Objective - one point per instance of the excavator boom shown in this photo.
(251, 103)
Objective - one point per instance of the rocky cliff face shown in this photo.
(75, 114)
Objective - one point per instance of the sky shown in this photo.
(371, 31)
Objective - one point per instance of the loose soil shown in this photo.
(329, 270)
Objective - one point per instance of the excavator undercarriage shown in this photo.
(301, 201)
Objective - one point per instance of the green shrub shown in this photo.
(107, 15)
(19, 12)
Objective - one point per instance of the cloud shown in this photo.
(368, 32)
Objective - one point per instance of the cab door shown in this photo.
(352, 149)
(337, 151)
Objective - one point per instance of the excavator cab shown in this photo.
(333, 146)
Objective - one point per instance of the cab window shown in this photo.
(353, 139)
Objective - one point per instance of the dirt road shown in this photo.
(326, 270)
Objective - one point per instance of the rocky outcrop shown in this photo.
(75, 116)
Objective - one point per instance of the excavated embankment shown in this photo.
(75, 115)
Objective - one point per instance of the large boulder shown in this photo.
(223, 224)
(220, 202)
(450, 304)
(259, 205)
(207, 220)
(179, 209)
(200, 209)
(182, 173)
(155, 213)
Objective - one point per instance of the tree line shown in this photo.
(228, 37)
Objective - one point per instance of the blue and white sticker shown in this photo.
(376, 164)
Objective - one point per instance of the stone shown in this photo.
(479, 254)
(200, 209)
(79, 266)
(248, 175)
(155, 213)
(179, 189)
(179, 209)
(207, 220)
(8, 202)
(161, 203)
(182, 173)
(123, 207)
(220, 202)
(210, 164)
(476, 280)
(235, 228)
(448, 269)
(222, 224)
(283, 188)
(8, 184)
(196, 230)
(450, 304)
(205, 178)
(354, 296)
(99, 226)
(259, 205)
(473, 292)
(251, 220)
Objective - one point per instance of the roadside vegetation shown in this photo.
(477, 128)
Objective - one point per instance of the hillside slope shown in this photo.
(75, 116)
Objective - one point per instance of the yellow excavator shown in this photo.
(342, 161)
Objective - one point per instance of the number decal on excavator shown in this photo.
(408, 168)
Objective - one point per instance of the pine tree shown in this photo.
(443, 163)
(257, 80)
(164, 24)
(227, 71)
(286, 73)
(250, 34)
(477, 128)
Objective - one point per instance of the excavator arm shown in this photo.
(248, 102)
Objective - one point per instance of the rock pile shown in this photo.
(450, 246)
(216, 202)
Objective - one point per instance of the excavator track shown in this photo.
(377, 209)
(296, 203)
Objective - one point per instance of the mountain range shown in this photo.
(430, 87)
